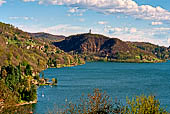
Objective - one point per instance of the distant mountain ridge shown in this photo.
(99, 47)
(161, 52)
(47, 36)
(92, 47)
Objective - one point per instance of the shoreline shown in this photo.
(27, 103)
(126, 61)
(17, 105)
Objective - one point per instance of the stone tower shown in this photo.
(90, 31)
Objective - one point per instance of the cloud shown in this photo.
(68, 15)
(76, 11)
(156, 23)
(102, 22)
(127, 7)
(61, 29)
(168, 40)
(162, 29)
(158, 36)
(115, 30)
(2, 2)
(73, 10)
(29, 0)
(65, 29)
(23, 18)
(81, 19)
(133, 30)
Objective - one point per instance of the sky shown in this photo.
(128, 20)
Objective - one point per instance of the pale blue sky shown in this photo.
(129, 20)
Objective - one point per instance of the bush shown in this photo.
(100, 103)
(28, 70)
(54, 80)
(97, 103)
(144, 105)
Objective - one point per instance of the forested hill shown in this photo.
(22, 57)
(94, 47)
(17, 47)
(161, 52)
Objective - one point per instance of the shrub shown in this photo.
(28, 70)
(54, 80)
(97, 103)
(144, 105)
(100, 103)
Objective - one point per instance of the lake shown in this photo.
(117, 79)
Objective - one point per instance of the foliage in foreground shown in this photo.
(16, 86)
(100, 103)
(26, 109)
(144, 105)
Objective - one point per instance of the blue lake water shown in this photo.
(117, 79)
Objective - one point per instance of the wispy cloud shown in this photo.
(159, 35)
(81, 19)
(168, 40)
(2, 2)
(76, 11)
(28, 0)
(61, 29)
(127, 7)
(156, 23)
(102, 22)
(114, 30)
(23, 18)
(162, 29)
(73, 10)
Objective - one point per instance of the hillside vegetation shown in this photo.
(160, 51)
(17, 47)
(22, 57)
(95, 47)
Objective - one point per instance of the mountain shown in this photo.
(17, 46)
(160, 51)
(47, 36)
(95, 47)
(22, 58)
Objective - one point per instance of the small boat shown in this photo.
(42, 94)
(66, 100)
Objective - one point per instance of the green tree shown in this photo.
(54, 80)
(28, 70)
(3, 73)
(15, 38)
(42, 75)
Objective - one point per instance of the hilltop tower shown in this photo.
(90, 31)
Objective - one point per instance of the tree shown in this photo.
(42, 75)
(15, 38)
(54, 80)
(12, 78)
(100, 103)
(3, 73)
(28, 70)
(9, 57)
(38, 62)
(143, 105)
